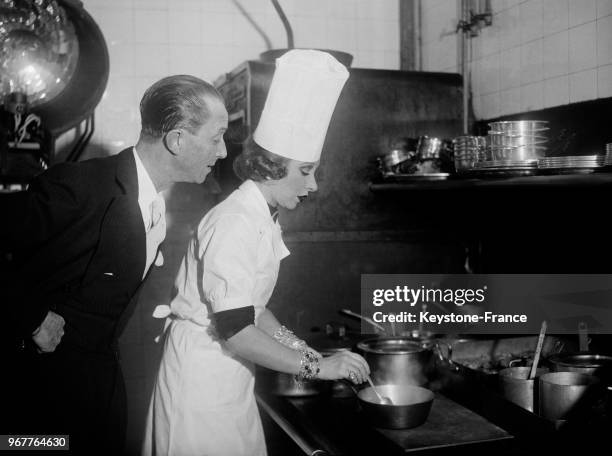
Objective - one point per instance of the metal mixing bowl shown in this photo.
(410, 408)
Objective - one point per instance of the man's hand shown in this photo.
(49, 334)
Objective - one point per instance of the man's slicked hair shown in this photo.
(173, 102)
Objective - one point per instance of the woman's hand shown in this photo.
(344, 364)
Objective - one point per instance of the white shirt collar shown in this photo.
(146, 189)
(261, 205)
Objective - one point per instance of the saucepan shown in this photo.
(398, 360)
(410, 406)
(595, 364)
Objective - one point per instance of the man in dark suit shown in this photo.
(83, 237)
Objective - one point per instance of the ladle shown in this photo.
(383, 399)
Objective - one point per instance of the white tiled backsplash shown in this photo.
(537, 54)
(149, 39)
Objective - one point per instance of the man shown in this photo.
(84, 236)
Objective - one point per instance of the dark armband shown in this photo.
(231, 322)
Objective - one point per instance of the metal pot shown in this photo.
(429, 148)
(567, 395)
(501, 140)
(516, 386)
(394, 158)
(583, 363)
(398, 360)
(519, 127)
(410, 408)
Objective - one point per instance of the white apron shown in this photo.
(203, 401)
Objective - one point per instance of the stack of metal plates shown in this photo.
(518, 139)
(507, 164)
(507, 167)
(572, 163)
(468, 150)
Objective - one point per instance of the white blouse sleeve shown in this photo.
(227, 250)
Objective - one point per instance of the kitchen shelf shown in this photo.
(596, 179)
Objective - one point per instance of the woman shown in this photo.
(203, 402)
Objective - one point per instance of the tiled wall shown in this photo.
(537, 54)
(148, 39)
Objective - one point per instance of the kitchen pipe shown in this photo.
(465, 62)
(286, 24)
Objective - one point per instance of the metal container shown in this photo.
(467, 151)
(429, 148)
(516, 140)
(519, 126)
(519, 153)
(466, 162)
(566, 395)
(398, 360)
(410, 408)
(394, 158)
(583, 363)
(515, 386)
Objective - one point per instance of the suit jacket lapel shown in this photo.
(122, 248)
(127, 177)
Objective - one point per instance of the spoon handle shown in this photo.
(366, 319)
(375, 390)
(536, 357)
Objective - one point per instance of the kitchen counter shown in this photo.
(335, 426)
(468, 414)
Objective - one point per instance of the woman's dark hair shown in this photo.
(259, 164)
(179, 101)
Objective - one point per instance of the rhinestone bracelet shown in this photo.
(309, 366)
(286, 337)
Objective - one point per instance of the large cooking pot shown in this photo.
(583, 363)
(410, 408)
(567, 395)
(398, 360)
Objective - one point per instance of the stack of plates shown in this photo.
(508, 164)
(508, 167)
(572, 164)
(518, 140)
(608, 159)
(468, 150)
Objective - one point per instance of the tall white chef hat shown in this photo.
(304, 91)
